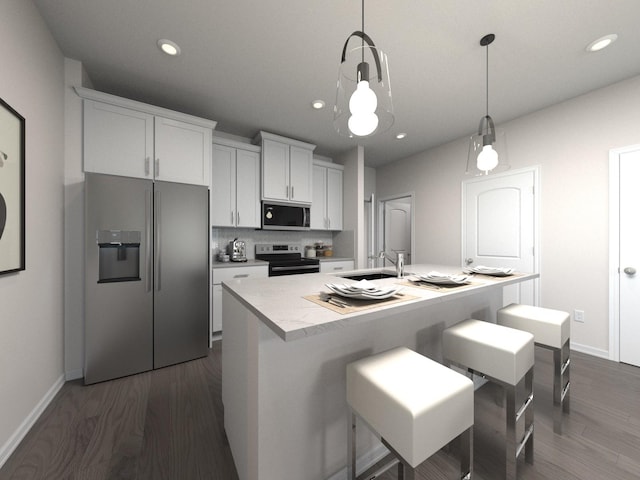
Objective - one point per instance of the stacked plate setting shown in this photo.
(363, 290)
(438, 278)
(493, 271)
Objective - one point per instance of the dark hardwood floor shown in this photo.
(165, 424)
(168, 424)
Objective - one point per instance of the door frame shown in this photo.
(614, 249)
(537, 262)
(380, 226)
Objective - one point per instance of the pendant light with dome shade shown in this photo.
(363, 99)
(488, 148)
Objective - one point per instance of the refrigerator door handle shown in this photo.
(148, 239)
(157, 232)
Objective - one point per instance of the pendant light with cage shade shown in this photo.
(487, 148)
(363, 98)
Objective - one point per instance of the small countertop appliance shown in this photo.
(237, 250)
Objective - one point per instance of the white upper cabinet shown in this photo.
(235, 185)
(117, 141)
(182, 152)
(326, 208)
(286, 169)
(132, 139)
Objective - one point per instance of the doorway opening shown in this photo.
(395, 229)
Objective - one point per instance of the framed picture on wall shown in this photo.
(12, 183)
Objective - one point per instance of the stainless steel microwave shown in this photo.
(283, 216)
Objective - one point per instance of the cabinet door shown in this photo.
(247, 189)
(337, 266)
(300, 172)
(182, 152)
(334, 199)
(275, 170)
(216, 311)
(223, 186)
(117, 141)
(319, 203)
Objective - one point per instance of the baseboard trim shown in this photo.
(15, 439)
(73, 374)
(596, 352)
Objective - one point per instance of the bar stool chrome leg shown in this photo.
(513, 444)
(561, 385)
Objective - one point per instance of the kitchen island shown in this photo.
(284, 358)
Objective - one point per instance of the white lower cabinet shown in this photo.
(334, 266)
(226, 273)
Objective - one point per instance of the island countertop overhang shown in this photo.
(280, 304)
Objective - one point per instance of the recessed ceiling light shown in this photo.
(400, 136)
(318, 104)
(169, 47)
(602, 42)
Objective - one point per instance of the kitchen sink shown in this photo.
(370, 276)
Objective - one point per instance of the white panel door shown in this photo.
(397, 229)
(499, 227)
(629, 258)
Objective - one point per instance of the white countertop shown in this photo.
(279, 302)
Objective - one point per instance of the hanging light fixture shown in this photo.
(487, 148)
(363, 98)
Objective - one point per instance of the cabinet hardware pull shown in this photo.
(292, 194)
(237, 218)
(146, 166)
(157, 172)
(231, 217)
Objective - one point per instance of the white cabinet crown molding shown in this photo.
(227, 142)
(322, 163)
(278, 138)
(90, 94)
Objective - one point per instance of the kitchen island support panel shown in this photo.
(285, 405)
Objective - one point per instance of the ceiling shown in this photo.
(257, 65)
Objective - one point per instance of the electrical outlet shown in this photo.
(578, 316)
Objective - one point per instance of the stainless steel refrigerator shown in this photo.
(147, 275)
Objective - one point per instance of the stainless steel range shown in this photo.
(286, 259)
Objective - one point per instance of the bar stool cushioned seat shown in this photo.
(415, 404)
(504, 356)
(551, 329)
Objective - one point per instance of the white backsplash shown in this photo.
(220, 237)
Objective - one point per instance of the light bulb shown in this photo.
(487, 159)
(363, 124)
(363, 100)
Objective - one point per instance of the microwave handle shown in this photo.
(304, 216)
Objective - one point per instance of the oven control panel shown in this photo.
(269, 248)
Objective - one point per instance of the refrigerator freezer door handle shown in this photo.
(148, 237)
(157, 233)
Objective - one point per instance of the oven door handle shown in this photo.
(296, 267)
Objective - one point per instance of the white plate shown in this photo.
(438, 278)
(494, 271)
(372, 294)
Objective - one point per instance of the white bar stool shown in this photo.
(415, 405)
(551, 330)
(504, 356)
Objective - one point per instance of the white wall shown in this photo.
(570, 141)
(31, 302)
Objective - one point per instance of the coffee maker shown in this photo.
(237, 250)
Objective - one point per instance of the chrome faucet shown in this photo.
(399, 262)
